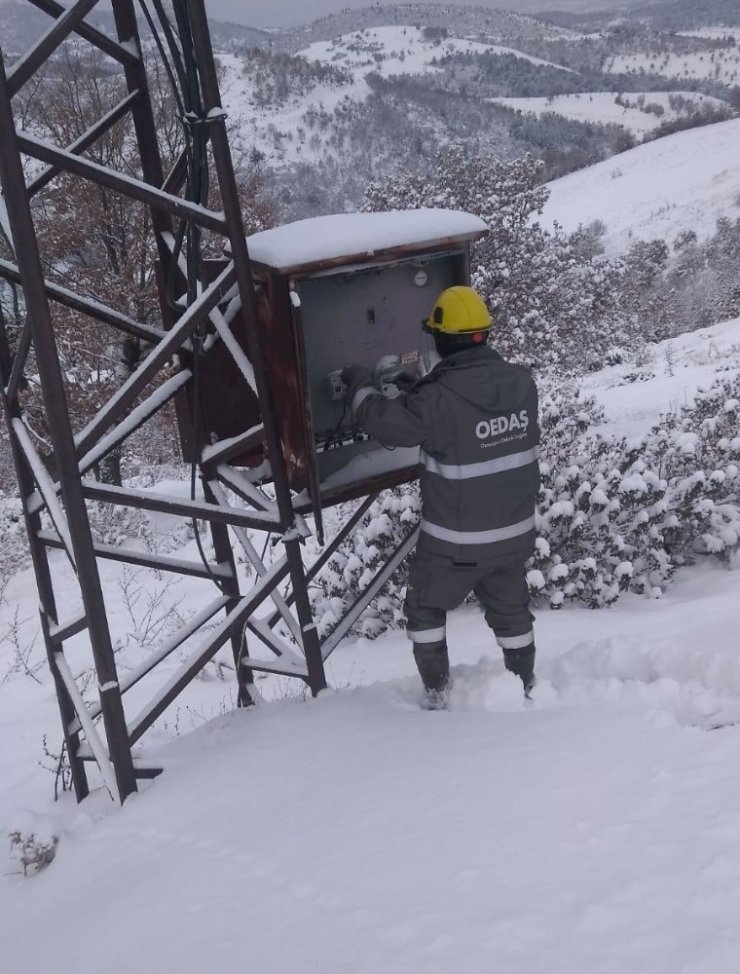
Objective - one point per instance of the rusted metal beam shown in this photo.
(24, 69)
(213, 110)
(162, 652)
(91, 34)
(60, 633)
(365, 597)
(19, 361)
(330, 550)
(121, 402)
(227, 450)
(242, 487)
(234, 622)
(163, 563)
(135, 419)
(259, 566)
(42, 572)
(87, 306)
(145, 501)
(177, 175)
(225, 555)
(145, 128)
(85, 141)
(127, 186)
(106, 763)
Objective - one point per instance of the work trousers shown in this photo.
(437, 585)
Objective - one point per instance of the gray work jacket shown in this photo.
(475, 418)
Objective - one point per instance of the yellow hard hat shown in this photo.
(459, 310)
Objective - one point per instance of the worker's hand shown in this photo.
(355, 377)
(405, 381)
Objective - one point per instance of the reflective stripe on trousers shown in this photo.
(516, 642)
(478, 537)
(427, 635)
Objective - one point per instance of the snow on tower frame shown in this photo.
(207, 311)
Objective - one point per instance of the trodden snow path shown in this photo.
(595, 832)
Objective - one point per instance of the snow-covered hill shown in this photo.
(722, 65)
(683, 181)
(299, 126)
(400, 50)
(668, 378)
(638, 112)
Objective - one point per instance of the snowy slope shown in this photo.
(686, 180)
(603, 107)
(722, 65)
(595, 831)
(672, 373)
(391, 50)
(401, 50)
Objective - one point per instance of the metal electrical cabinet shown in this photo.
(335, 290)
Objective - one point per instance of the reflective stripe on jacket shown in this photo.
(475, 418)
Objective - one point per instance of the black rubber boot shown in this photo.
(521, 663)
(433, 663)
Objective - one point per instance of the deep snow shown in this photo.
(603, 107)
(685, 180)
(594, 831)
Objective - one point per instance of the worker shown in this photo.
(475, 417)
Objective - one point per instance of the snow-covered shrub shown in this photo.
(600, 512)
(33, 851)
(612, 516)
(555, 298)
(698, 451)
(386, 524)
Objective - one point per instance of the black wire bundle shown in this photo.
(178, 57)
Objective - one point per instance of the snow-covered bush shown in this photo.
(386, 524)
(555, 299)
(698, 450)
(616, 516)
(32, 850)
(612, 516)
(600, 514)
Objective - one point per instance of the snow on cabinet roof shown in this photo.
(351, 237)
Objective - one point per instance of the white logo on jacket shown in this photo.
(502, 424)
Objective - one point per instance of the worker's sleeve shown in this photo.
(402, 421)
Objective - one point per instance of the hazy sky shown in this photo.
(283, 13)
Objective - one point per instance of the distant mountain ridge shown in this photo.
(21, 24)
(667, 15)
(499, 25)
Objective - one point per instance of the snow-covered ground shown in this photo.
(721, 65)
(657, 190)
(594, 831)
(634, 395)
(401, 50)
(392, 50)
(602, 107)
(713, 33)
